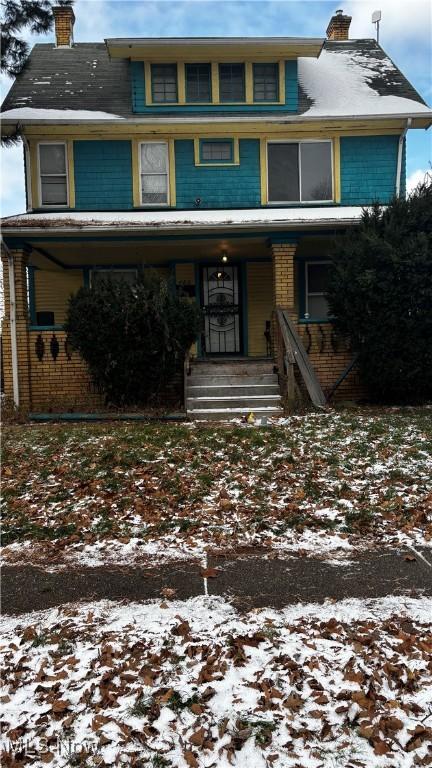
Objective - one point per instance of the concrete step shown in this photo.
(245, 401)
(248, 368)
(226, 414)
(222, 380)
(232, 390)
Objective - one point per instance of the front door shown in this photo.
(221, 305)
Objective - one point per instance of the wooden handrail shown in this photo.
(296, 353)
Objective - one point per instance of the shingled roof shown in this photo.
(354, 77)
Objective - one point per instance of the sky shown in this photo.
(405, 35)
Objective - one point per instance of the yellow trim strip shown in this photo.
(215, 82)
(71, 174)
(282, 82)
(249, 82)
(136, 173)
(33, 146)
(263, 171)
(336, 170)
(181, 83)
(148, 92)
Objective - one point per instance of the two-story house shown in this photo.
(229, 164)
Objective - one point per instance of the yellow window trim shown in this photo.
(35, 176)
(236, 152)
(335, 141)
(136, 180)
(215, 94)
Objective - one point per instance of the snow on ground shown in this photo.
(197, 684)
(322, 484)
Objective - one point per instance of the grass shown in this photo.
(171, 482)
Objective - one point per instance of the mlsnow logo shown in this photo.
(56, 745)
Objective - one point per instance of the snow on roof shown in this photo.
(339, 83)
(199, 219)
(59, 115)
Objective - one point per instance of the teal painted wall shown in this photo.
(139, 103)
(218, 187)
(368, 169)
(103, 175)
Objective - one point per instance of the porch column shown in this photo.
(283, 254)
(15, 327)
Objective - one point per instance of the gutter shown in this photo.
(400, 153)
(13, 330)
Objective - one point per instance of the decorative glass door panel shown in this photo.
(221, 307)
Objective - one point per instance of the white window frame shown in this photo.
(313, 262)
(55, 205)
(300, 201)
(168, 171)
(109, 269)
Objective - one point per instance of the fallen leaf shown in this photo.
(190, 758)
(209, 573)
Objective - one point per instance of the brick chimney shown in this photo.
(338, 27)
(64, 19)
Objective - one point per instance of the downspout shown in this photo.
(13, 330)
(400, 153)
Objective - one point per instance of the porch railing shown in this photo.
(290, 352)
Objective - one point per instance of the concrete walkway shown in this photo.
(249, 582)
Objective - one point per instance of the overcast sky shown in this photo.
(406, 35)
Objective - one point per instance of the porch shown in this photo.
(238, 278)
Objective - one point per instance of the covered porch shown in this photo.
(239, 278)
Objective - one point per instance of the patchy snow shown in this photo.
(330, 215)
(197, 684)
(59, 115)
(325, 484)
(340, 84)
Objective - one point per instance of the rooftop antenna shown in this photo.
(376, 18)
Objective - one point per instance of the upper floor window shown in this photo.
(316, 284)
(266, 82)
(217, 151)
(164, 83)
(300, 171)
(198, 82)
(154, 172)
(231, 82)
(53, 174)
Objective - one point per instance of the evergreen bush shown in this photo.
(133, 337)
(380, 294)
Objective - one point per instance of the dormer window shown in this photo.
(266, 82)
(198, 83)
(53, 174)
(232, 82)
(164, 83)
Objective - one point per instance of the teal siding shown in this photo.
(403, 172)
(138, 85)
(291, 85)
(139, 103)
(368, 169)
(227, 187)
(103, 175)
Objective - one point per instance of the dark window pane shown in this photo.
(266, 82)
(318, 308)
(283, 173)
(231, 82)
(52, 158)
(54, 190)
(164, 82)
(316, 171)
(216, 151)
(318, 277)
(114, 275)
(198, 82)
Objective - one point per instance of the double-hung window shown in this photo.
(231, 82)
(266, 82)
(198, 82)
(300, 171)
(217, 151)
(316, 285)
(53, 174)
(154, 173)
(164, 83)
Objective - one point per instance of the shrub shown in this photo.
(133, 337)
(381, 296)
